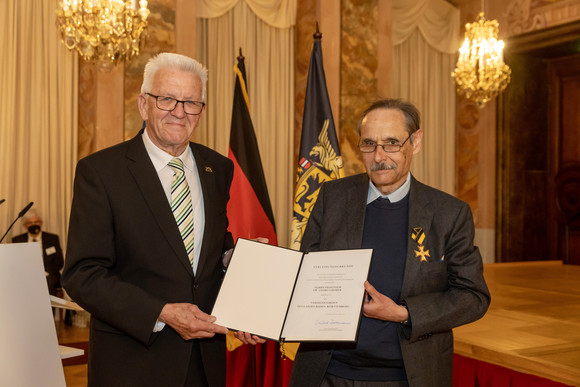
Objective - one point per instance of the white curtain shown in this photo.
(425, 43)
(266, 36)
(38, 115)
(277, 13)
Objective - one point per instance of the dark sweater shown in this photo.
(377, 353)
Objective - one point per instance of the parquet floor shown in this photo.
(75, 375)
(533, 323)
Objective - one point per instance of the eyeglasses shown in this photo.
(370, 146)
(168, 104)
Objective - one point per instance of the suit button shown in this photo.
(195, 286)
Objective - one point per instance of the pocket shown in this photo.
(434, 276)
(101, 326)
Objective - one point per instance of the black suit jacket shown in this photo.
(442, 293)
(51, 256)
(126, 260)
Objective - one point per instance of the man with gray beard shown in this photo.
(426, 276)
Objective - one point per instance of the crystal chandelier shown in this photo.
(480, 73)
(103, 31)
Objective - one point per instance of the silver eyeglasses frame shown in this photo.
(388, 148)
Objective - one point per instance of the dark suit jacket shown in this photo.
(53, 262)
(126, 260)
(440, 294)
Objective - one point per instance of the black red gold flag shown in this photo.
(249, 209)
(250, 215)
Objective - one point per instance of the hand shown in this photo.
(261, 240)
(227, 258)
(189, 321)
(381, 307)
(247, 338)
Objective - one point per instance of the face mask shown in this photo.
(34, 229)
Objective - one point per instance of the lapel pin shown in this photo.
(208, 169)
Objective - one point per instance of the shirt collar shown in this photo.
(38, 236)
(160, 158)
(399, 194)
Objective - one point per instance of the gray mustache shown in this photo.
(382, 167)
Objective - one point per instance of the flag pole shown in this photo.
(319, 158)
(317, 35)
(241, 58)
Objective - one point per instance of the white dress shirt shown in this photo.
(160, 159)
(394, 197)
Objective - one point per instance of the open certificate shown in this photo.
(282, 294)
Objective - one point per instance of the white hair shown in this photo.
(170, 60)
(33, 212)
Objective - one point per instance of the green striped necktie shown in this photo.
(181, 205)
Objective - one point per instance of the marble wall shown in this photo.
(360, 68)
(87, 100)
(360, 49)
(108, 111)
(160, 37)
(353, 84)
(305, 27)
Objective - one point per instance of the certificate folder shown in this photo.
(282, 294)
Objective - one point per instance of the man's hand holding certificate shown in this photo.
(282, 294)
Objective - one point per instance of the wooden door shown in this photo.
(565, 154)
(538, 148)
(523, 164)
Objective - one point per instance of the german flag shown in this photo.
(249, 210)
(250, 215)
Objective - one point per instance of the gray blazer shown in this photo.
(445, 292)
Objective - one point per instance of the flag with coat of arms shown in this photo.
(319, 159)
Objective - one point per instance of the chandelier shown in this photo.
(103, 31)
(480, 73)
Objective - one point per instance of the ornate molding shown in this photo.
(531, 15)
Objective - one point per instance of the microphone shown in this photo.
(20, 215)
(25, 210)
(2, 201)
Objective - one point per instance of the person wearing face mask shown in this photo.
(50, 246)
